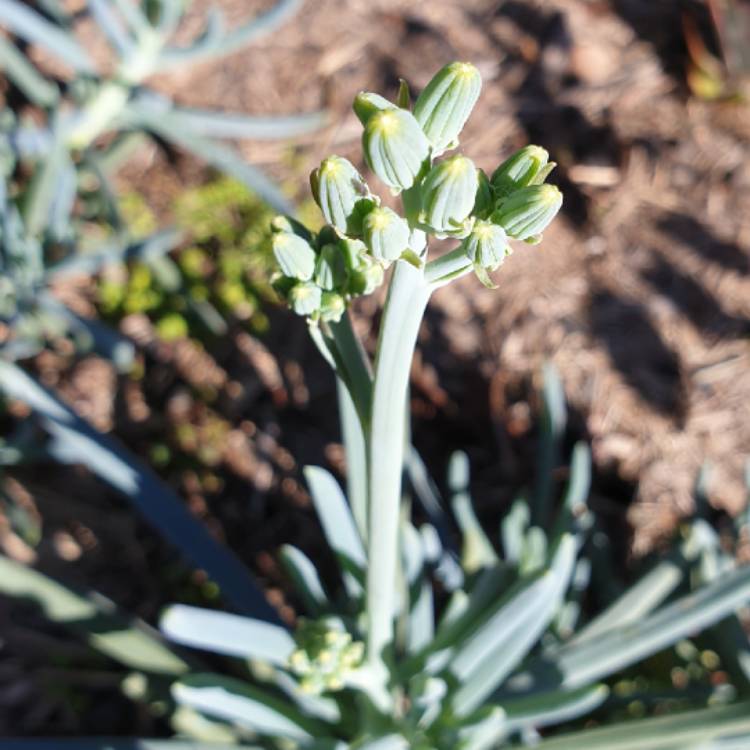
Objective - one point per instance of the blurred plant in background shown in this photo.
(69, 122)
(727, 76)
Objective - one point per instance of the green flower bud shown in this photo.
(354, 253)
(337, 187)
(528, 166)
(327, 236)
(330, 269)
(448, 194)
(291, 226)
(487, 245)
(446, 103)
(395, 147)
(367, 278)
(294, 255)
(484, 201)
(332, 307)
(305, 298)
(386, 234)
(528, 211)
(367, 104)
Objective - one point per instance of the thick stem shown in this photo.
(407, 298)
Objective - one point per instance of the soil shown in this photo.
(639, 295)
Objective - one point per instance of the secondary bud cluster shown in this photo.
(320, 274)
(325, 656)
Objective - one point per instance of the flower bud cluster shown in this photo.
(325, 657)
(447, 198)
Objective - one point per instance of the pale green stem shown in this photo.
(407, 298)
(447, 267)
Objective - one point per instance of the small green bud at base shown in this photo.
(448, 194)
(528, 166)
(366, 104)
(486, 246)
(446, 103)
(528, 211)
(386, 234)
(304, 298)
(395, 147)
(367, 278)
(337, 187)
(332, 307)
(294, 255)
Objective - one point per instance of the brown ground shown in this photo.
(640, 295)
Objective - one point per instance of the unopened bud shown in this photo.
(528, 166)
(304, 298)
(448, 194)
(487, 245)
(337, 188)
(291, 226)
(528, 211)
(446, 103)
(294, 255)
(395, 147)
(366, 278)
(332, 307)
(386, 234)
(366, 104)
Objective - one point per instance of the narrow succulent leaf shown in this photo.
(133, 16)
(637, 602)
(125, 640)
(250, 707)
(389, 742)
(484, 733)
(513, 531)
(593, 659)
(75, 441)
(89, 262)
(338, 526)
(503, 653)
(422, 620)
(554, 419)
(556, 707)
(40, 196)
(217, 43)
(679, 731)
(107, 20)
(28, 142)
(214, 124)
(306, 579)
(92, 334)
(34, 86)
(317, 706)
(221, 156)
(26, 23)
(355, 452)
(227, 634)
(477, 550)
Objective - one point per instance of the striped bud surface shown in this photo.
(304, 298)
(294, 255)
(448, 194)
(337, 188)
(330, 269)
(386, 234)
(395, 147)
(487, 245)
(528, 211)
(446, 103)
(528, 166)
